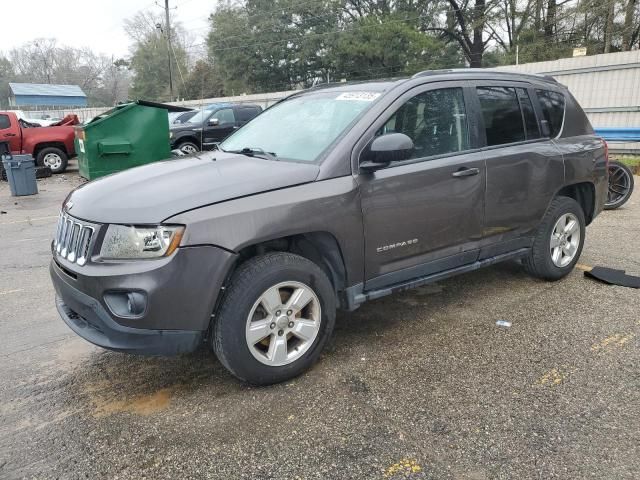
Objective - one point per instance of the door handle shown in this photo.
(466, 172)
(9, 134)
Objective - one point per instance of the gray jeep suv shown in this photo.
(332, 197)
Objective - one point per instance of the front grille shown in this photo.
(73, 239)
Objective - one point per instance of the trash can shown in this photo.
(126, 136)
(21, 174)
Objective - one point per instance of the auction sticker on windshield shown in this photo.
(358, 96)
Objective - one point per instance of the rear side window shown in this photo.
(247, 113)
(503, 121)
(4, 122)
(552, 104)
(528, 115)
(435, 120)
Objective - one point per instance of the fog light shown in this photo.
(126, 304)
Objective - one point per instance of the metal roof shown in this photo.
(46, 90)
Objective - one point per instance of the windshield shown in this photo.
(199, 117)
(302, 128)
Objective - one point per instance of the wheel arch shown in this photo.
(38, 147)
(584, 193)
(187, 138)
(320, 247)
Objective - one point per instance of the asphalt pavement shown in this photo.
(420, 385)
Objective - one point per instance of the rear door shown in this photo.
(424, 215)
(10, 132)
(524, 169)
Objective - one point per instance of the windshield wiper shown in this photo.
(254, 152)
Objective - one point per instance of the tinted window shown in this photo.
(436, 121)
(501, 113)
(247, 113)
(528, 114)
(552, 104)
(4, 122)
(224, 116)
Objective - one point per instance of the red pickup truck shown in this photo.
(50, 146)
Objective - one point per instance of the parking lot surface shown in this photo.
(419, 385)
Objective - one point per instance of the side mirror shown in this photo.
(214, 122)
(391, 147)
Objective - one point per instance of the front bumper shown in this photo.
(96, 326)
(181, 293)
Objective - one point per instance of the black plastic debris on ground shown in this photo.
(613, 277)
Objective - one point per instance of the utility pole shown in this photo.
(168, 32)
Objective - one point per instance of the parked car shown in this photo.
(332, 197)
(176, 118)
(50, 146)
(210, 126)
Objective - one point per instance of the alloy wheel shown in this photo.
(565, 240)
(283, 323)
(619, 185)
(188, 148)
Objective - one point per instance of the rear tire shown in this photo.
(558, 242)
(54, 158)
(275, 318)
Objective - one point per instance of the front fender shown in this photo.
(331, 206)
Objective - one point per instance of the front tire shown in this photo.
(188, 148)
(54, 158)
(558, 241)
(275, 319)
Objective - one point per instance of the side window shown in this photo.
(552, 104)
(528, 114)
(247, 113)
(436, 121)
(501, 112)
(4, 122)
(225, 116)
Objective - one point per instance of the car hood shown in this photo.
(155, 192)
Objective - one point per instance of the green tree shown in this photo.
(151, 56)
(370, 48)
(6, 76)
(203, 81)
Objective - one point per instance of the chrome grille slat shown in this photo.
(73, 242)
(73, 239)
(67, 237)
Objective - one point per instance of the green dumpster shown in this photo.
(126, 136)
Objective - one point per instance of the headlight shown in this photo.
(129, 242)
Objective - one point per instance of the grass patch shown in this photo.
(631, 161)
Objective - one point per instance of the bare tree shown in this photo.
(629, 33)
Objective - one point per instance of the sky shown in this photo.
(93, 23)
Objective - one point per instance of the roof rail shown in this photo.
(472, 71)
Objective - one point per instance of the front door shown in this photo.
(10, 133)
(424, 214)
(219, 126)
